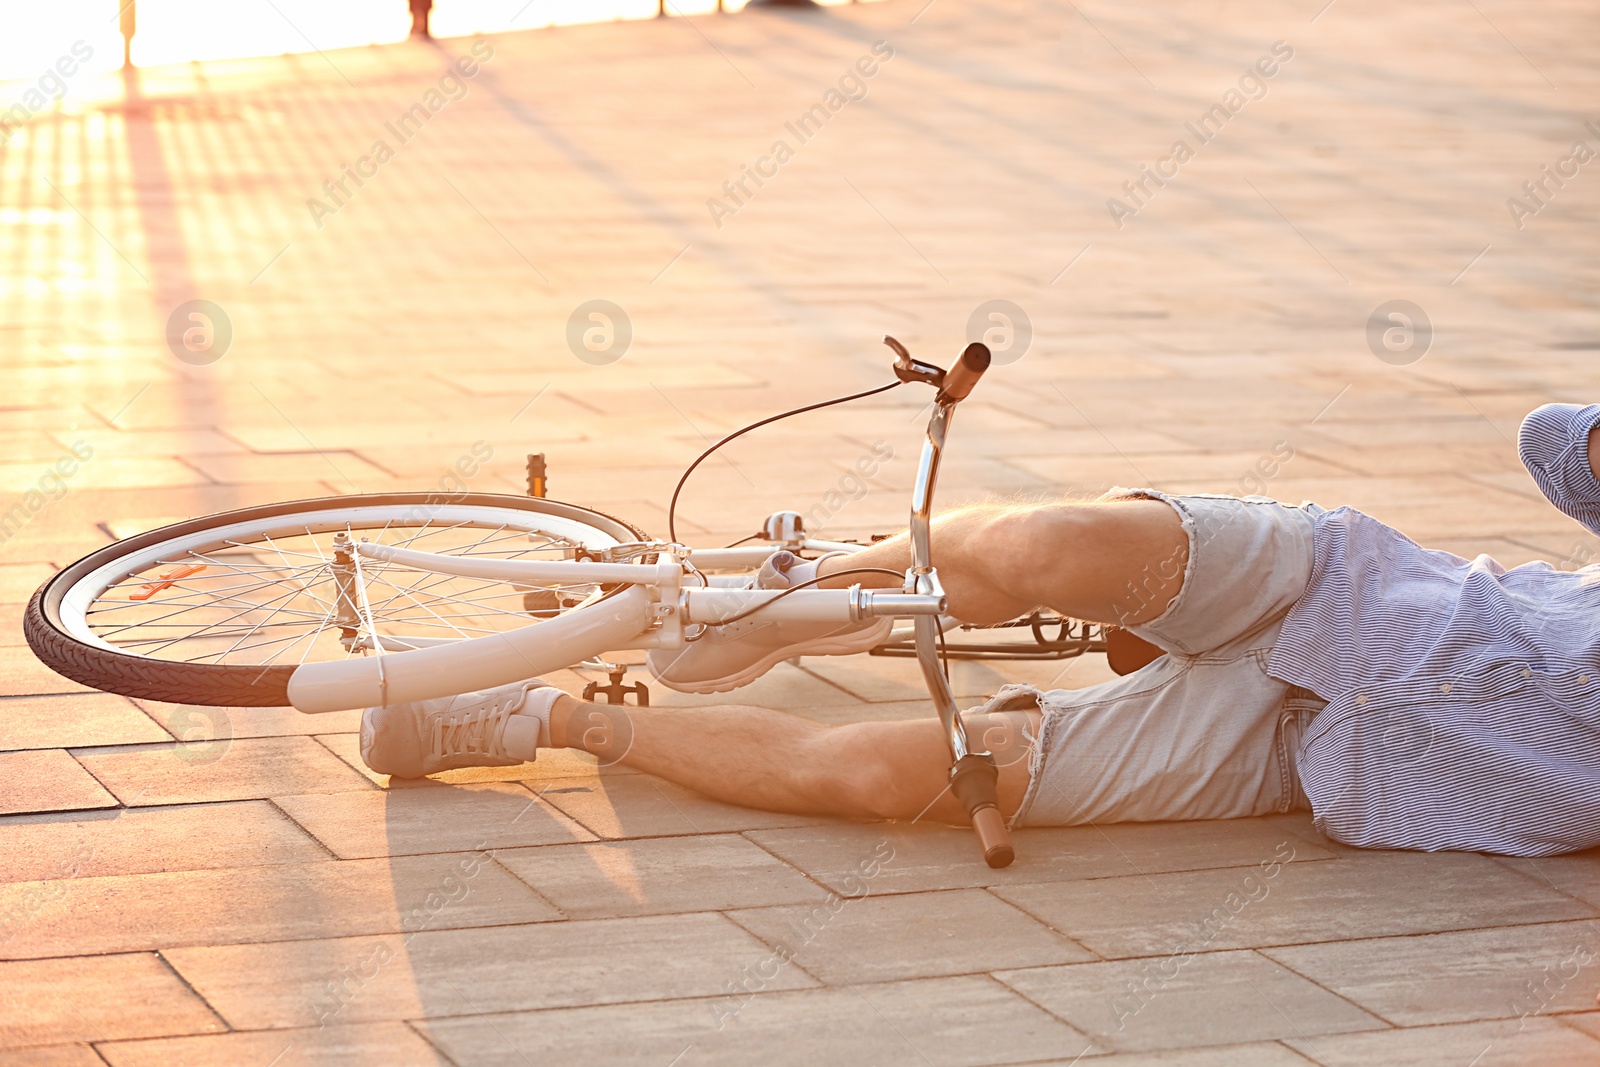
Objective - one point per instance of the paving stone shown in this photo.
(1577, 873)
(862, 938)
(406, 822)
(1588, 1022)
(73, 721)
(392, 1044)
(101, 998)
(22, 675)
(1351, 897)
(948, 1021)
(1170, 469)
(105, 472)
(1457, 977)
(710, 872)
(247, 768)
(942, 857)
(238, 468)
(1255, 1054)
(645, 806)
(52, 1056)
(48, 780)
(475, 972)
(55, 1056)
(1212, 998)
(19, 580)
(204, 723)
(147, 840)
(1487, 1044)
(187, 442)
(124, 913)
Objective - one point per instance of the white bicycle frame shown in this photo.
(656, 610)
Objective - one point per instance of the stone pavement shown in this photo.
(165, 909)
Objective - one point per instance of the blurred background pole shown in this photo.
(419, 17)
(128, 17)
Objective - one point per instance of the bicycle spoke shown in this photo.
(254, 607)
(274, 545)
(379, 578)
(445, 580)
(292, 552)
(166, 601)
(258, 644)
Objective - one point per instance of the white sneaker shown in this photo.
(739, 653)
(493, 728)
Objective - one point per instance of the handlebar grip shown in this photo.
(972, 780)
(959, 379)
(993, 837)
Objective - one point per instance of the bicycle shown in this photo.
(344, 602)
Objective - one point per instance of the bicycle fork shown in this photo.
(973, 775)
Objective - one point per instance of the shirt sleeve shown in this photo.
(1554, 445)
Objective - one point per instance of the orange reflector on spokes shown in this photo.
(166, 580)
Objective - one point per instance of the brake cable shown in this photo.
(672, 508)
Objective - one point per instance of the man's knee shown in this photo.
(1123, 558)
(1022, 541)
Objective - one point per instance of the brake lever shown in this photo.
(908, 369)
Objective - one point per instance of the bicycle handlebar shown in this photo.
(960, 379)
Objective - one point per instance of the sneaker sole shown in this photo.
(842, 645)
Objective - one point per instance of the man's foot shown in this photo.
(494, 728)
(739, 653)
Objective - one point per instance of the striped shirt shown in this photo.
(1463, 698)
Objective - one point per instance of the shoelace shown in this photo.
(477, 732)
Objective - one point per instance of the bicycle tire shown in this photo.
(225, 685)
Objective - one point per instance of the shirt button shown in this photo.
(1526, 673)
(1445, 688)
(1361, 698)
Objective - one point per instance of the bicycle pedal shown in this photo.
(617, 691)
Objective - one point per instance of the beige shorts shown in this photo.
(1203, 732)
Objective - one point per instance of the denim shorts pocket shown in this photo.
(1300, 707)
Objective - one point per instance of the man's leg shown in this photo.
(996, 562)
(1115, 561)
(759, 758)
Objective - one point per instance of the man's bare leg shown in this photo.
(759, 758)
(1115, 561)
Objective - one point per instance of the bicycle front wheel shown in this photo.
(221, 609)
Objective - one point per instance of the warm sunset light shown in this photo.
(772, 533)
(177, 31)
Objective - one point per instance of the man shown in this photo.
(1313, 658)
